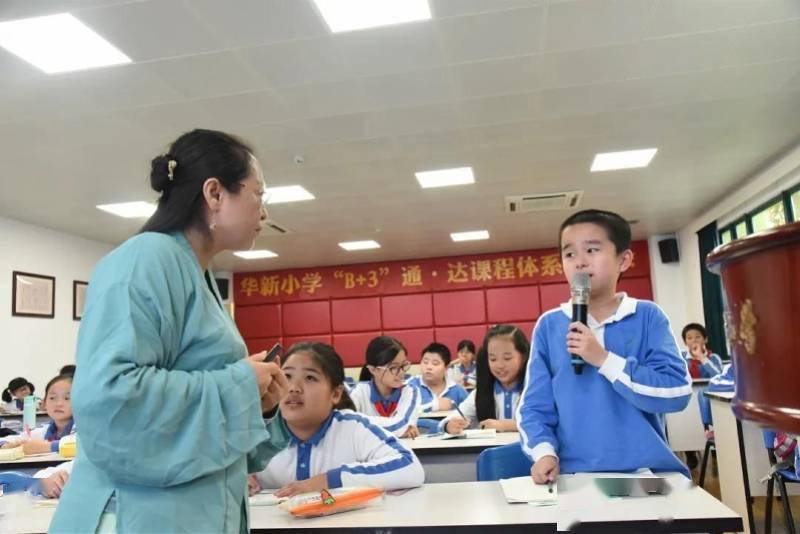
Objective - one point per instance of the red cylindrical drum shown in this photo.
(761, 279)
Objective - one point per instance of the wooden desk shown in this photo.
(39, 461)
(453, 460)
(685, 428)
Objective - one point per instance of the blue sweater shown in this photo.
(607, 419)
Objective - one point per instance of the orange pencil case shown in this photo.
(328, 502)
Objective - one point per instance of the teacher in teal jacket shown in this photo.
(168, 402)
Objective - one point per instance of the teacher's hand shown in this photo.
(276, 391)
(266, 373)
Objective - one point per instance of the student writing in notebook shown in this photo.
(382, 395)
(331, 446)
(501, 367)
(609, 416)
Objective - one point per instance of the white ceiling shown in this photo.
(524, 91)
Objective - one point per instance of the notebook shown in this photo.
(523, 490)
(473, 433)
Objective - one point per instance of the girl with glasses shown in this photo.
(381, 395)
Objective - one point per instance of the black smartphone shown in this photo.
(632, 487)
(274, 352)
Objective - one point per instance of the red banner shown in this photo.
(411, 276)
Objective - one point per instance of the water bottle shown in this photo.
(29, 415)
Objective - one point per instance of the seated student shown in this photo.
(609, 416)
(702, 362)
(437, 391)
(57, 403)
(462, 371)
(723, 382)
(330, 445)
(381, 394)
(14, 395)
(502, 361)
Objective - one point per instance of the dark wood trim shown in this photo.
(14, 312)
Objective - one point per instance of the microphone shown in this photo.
(581, 285)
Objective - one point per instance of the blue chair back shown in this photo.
(506, 461)
(14, 482)
(769, 439)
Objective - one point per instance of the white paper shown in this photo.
(523, 489)
(265, 499)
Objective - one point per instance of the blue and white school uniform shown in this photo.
(463, 375)
(51, 434)
(720, 383)
(351, 451)
(712, 367)
(505, 405)
(429, 401)
(608, 418)
(394, 413)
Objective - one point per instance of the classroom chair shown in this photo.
(505, 461)
(780, 478)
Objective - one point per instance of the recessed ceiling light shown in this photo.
(470, 236)
(255, 254)
(629, 159)
(445, 177)
(58, 43)
(359, 245)
(129, 210)
(286, 193)
(349, 15)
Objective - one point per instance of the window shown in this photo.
(782, 209)
(769, 217)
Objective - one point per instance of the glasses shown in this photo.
(395, 369)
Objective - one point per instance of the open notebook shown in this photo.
(473, 433)
(523, 490)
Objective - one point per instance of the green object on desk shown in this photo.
(632, 486)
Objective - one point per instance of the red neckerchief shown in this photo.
(386, 408)
(694, 368)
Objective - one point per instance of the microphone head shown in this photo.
(581, 285)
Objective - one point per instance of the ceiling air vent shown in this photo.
(548, 201)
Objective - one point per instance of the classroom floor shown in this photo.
(778, 525)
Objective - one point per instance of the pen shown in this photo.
(549, 486)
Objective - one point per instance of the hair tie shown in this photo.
(171, 164)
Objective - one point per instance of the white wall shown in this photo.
(667, 280)
(677, 289)
(32, 347)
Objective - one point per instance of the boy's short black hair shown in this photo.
(617, 228)
(440, 349)
(694, 326)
